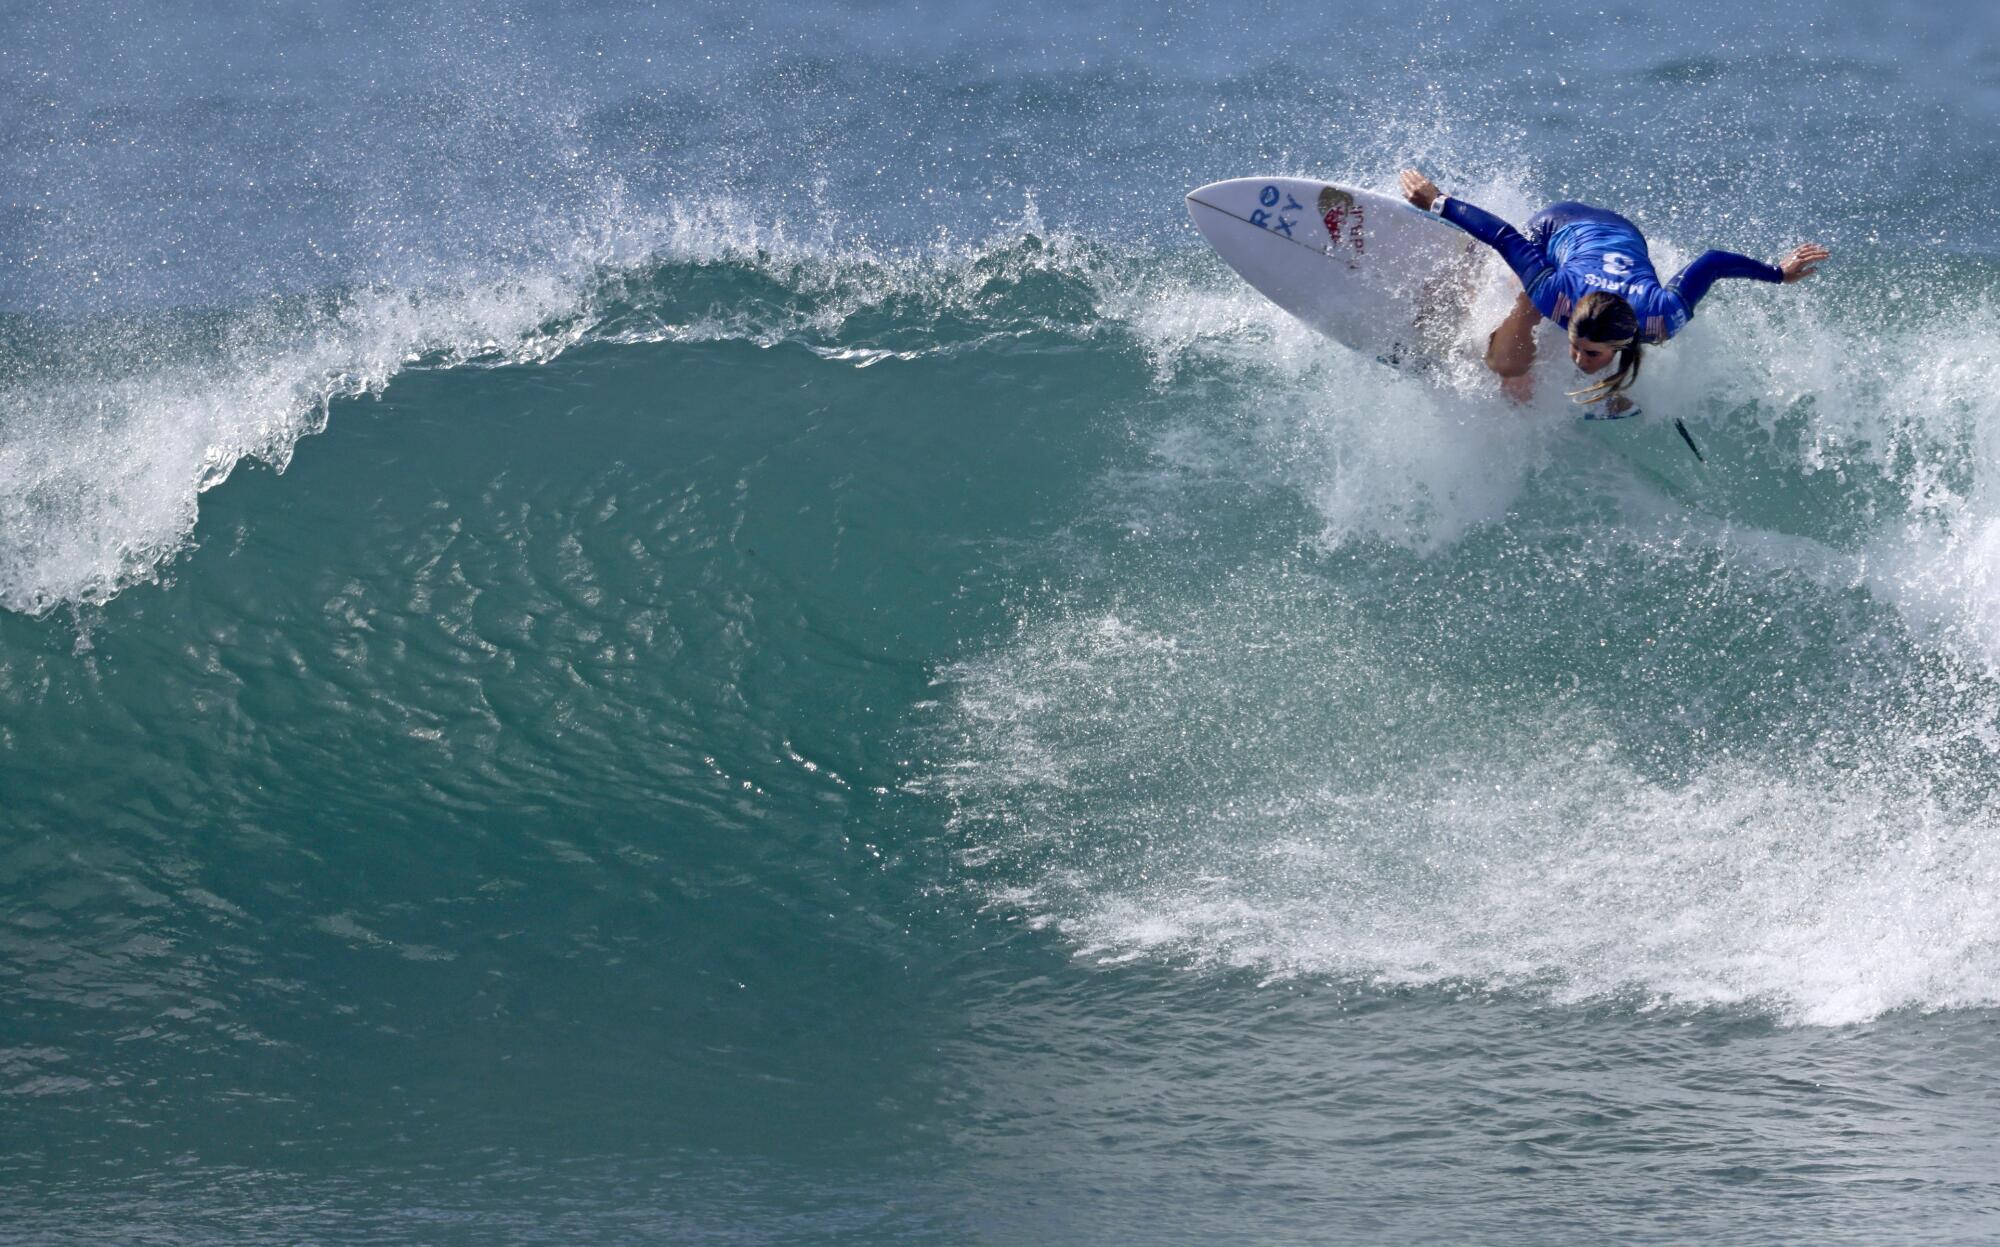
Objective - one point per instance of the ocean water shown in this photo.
(679, 623)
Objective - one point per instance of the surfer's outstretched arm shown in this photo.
(1529, 262)
(1693, 281)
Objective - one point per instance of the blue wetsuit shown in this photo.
(1572, 249)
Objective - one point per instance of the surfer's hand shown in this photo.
(1521, 389)
(1420, 190)
(1800, 262)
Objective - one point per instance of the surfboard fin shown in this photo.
(1688, 437)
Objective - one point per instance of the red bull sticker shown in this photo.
(1346, 223)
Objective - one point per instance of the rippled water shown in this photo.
(698, 624)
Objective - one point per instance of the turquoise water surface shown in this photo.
(632, 623)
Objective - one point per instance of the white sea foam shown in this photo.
(1383, 455)
(1260, 783)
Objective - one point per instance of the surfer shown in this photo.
(1587, 269)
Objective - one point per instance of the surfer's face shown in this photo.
(1591, 356)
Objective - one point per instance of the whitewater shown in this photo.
(686, 623)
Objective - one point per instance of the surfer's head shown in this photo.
(1604, 330)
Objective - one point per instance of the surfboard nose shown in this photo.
(1205, 194)
(1209, 220)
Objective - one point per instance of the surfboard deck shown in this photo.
(1365, 269)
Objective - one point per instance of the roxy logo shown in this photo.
(1272, 217)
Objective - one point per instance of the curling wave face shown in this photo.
(1349, 673)
(712, 620)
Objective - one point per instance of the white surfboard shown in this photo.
(1363, 268)
(1378, 274)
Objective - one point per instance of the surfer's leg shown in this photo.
(1510, 349)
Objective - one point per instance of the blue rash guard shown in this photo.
(1572, 249)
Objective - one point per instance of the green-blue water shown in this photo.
(645, 625)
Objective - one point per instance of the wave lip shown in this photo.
(110, 434)
(103, 473)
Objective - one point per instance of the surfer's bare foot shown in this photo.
(1521, 389)
(1419, 189)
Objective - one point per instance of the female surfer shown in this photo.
(1587, 269)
